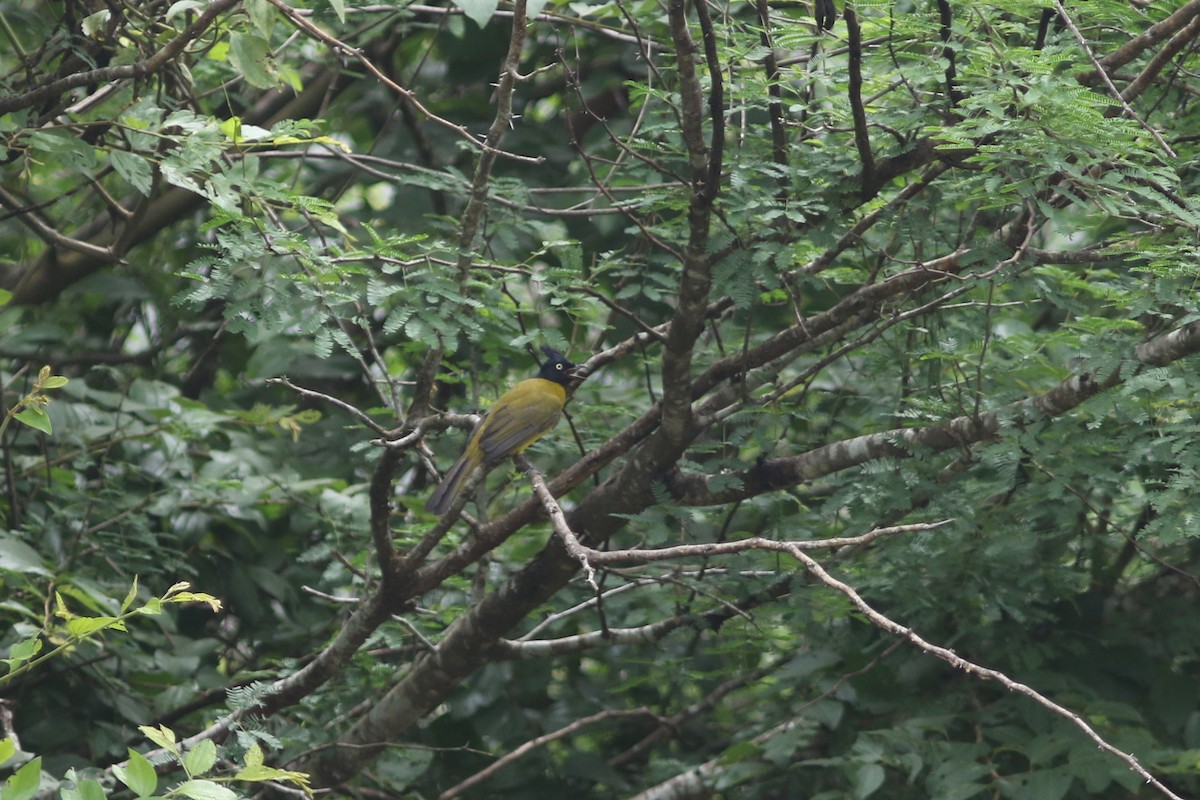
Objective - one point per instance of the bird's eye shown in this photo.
(558, 367)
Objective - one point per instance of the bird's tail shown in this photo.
(447, 491)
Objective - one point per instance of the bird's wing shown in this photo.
(508, 430)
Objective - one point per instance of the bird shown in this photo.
(516, 420)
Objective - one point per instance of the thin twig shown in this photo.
(309, 394)
(953, 659)
(1116, 93)
(353, 52)
(561, 733)
(559, 520)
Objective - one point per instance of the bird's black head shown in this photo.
(557, 368)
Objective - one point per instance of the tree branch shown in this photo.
(1107, 81)
(138, 69)
(885, 623)
(524, 749)
(861, 138)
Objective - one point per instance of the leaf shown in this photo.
(261, 773)
(480, 11)
(23, 784)
(72, 151)
(138, 774)
(54, 382)
(153, 607)
(251, 56)
(34, 417)
(1046, 785)
(90, 790)
(205, 790)
(255, 771)
(16, 556)
(60, 607)
(254, 755)
(200, 759)
(95, 23)
(339, 8)
(262, 14)
(133, 168)
(195, 597)
(182, 6)
(131, 596)
(867, 779)
(162, 736)
(7, 749)
(82, 627)
(21, 652)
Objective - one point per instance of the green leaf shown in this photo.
(21, 652)
(54, 382)
(480, 11)
(133, 168)
(339, 8)
(867, 779)
(7, 749)
(263, 15)
(205, 790)
(138, 774)
(195, 597)
(254, 755)
(95, 23)
(131, 596)
(89, 790)
(34, 417)
(261, 773)
(153, 607)
(23, 784)
(16, 556)
(162, 736)
(200, 759)
(82, 627)
(1046, 785)
(182, 6)
(62, 146)
(251, 56)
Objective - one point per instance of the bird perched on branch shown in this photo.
(516, 420)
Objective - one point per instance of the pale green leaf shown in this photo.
(23, 651)
(16, 556)
(138, 774)
(130, 596)
(133, 168)
(181, 6)
(23, 784)
(95, 23)
(34, 417)
(251, 56)
(162, 736)
(200, 759)
(82, 627)
(480, 11)
(205, 790)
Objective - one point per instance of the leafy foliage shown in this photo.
(927, 267)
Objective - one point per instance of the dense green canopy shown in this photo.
(882, 483)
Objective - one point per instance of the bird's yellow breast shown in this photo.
(519, 418)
